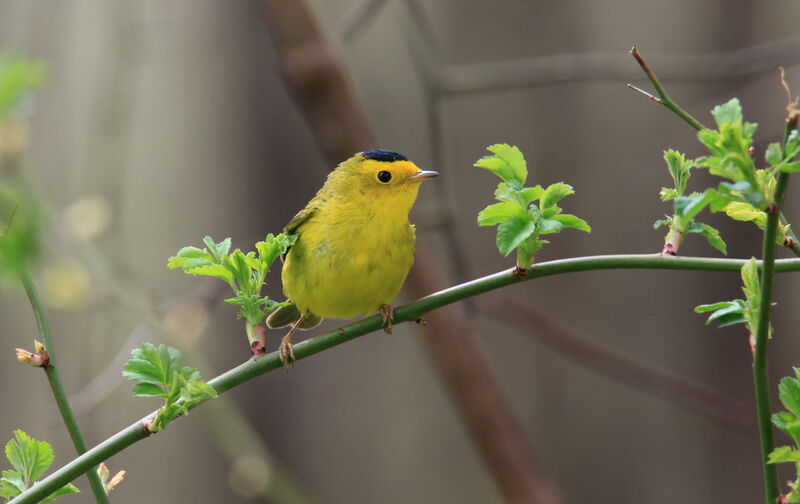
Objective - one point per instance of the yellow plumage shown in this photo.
(354, 244)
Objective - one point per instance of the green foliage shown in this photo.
(30, 458)
(18, 76)
(738, 311)
(685, 208)
(745, 192)
(520, 222)
(789, 422)
(20, 212)
(245, 273)
(21, 222)
(159, 373)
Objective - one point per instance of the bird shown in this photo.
(354, 245)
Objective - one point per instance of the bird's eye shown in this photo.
(384, 176)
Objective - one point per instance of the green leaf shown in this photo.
(679, 169)
(789, 393)
(499, 213)
(668, 194)
(548, 226)
(687, 207)
(29, 456)
(507, 162)
(218, 250)
(741, 211)
(11, 484)
(572, 221)
(512, 232)
(196, 392)
(730, 112)
(782, 418)
(662, 222)
(273, 247)
(711, 235)
(67, 489)
(212, 270)
(555, 193)
(752, 285)
(774, 154)
(792, 167)
(712, 307)
(148, 390)
(783, 454)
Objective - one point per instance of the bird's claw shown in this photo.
(387, 314)
(286, 352)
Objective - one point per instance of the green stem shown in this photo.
(663, 98)
(58, 389)
(412, 311)
(760, 368)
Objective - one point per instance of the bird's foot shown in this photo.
(387, 314)
(286, 352)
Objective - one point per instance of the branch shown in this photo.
(51, 370)
(412, 311)
(662, 98)
(760, 363)
(578, 67)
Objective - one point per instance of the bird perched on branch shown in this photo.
(354, 244)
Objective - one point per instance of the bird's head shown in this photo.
(383, 175)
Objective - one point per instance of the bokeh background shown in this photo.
(162, 122)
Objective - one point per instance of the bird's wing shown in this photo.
(298, 220)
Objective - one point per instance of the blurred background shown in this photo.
(161, 122)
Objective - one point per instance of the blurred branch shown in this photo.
(316, 81)
(557, 68)
(359, 16)
(452, 344)
(409, 312)
(309, 69)
(53, 377)
(648, 378)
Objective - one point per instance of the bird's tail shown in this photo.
(288, 315)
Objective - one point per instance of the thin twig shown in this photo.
(663, 98)
(594, 355)
(406, 313)
(578, 67)
(57, 387)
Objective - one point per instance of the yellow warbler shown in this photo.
(354, 244)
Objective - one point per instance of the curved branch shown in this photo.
(411, 311)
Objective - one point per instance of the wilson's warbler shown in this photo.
(354, 244)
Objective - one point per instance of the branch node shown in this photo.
(640, 90)
(519, 273)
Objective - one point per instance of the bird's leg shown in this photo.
(286, 349)
(387, 313)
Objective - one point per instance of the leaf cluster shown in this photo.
(745, 192)
(519, 219)
(789, 422)
(738, 311)
(244, 272)
(30, 458)
(686, 207)
(159, 373)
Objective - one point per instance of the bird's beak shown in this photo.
(423, 174)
